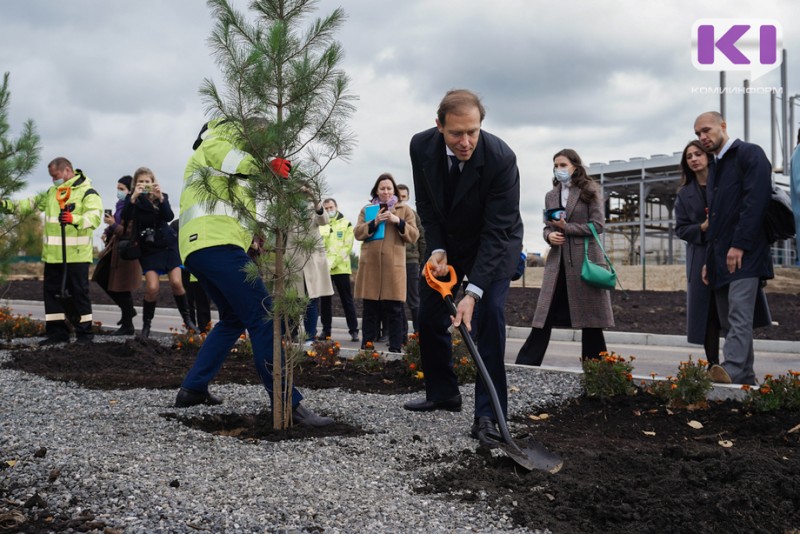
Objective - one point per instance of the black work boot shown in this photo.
(128, 311)
(148, 312)
(183, 308)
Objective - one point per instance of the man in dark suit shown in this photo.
(738, 254)
(467, 185)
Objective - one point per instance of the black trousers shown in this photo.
(592, 340)
(412, 298)
(436, 346)
(55, 314)
(392, 311)
(199, 304)
(342, 284)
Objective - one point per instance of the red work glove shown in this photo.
(281, 167)
(65, 217)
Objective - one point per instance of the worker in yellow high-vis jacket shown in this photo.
(213, 244)
(81, 215)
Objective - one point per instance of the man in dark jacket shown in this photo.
(738, 254)
(467, 186)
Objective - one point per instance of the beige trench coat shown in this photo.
(589, 307)
(316, 272)
(382, 264)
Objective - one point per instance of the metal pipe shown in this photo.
(772, 121)
(787, 135)
(747, 110)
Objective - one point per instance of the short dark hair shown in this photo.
(458, 101)
(404, 187)
(60, 164)
(330, 200)
(385, 176)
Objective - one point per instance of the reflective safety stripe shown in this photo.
(232, 161)
(200, 210)
(70, 241)
(54, 317)
(85, 318)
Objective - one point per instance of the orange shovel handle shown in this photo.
(444, 287)
(62, 195)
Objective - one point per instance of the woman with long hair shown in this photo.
(384, 226)
(150, 213)
(565, 300)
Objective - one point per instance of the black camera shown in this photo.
(554, 214)
(149, 235)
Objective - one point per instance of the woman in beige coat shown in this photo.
(565, 299)
(385, 226)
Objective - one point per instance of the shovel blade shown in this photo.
(531, 455)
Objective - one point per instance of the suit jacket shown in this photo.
(482, 233)
(739, 189)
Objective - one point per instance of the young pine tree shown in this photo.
(287, 97)
(18, 157)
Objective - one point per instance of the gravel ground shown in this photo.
(126, 456)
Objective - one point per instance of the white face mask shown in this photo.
(57, 182)
(562, 175)
(332, 213)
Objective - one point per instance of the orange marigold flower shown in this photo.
(765, 390)
(745, 387)
(337, 344)
(412, 366)
(673, 386)
(375, 355)
(629, 377)
(420, 375)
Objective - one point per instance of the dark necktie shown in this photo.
(451, 183)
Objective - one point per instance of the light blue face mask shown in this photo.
(331, 213)
(121, 195)
(58, 182)
(562, 175)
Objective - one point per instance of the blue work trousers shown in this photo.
(242, 305)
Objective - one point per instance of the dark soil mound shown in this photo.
(631, 465)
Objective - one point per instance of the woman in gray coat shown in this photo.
(565, 300)
(691, 223)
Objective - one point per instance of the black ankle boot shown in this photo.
(183, 308)
(128, 312)
(148, 312)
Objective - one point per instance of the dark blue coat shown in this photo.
(739, 190)
(690, 212)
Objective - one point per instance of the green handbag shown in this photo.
(593, 274)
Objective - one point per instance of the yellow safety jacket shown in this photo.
(202, 226)
(338, 238)
(87, 211)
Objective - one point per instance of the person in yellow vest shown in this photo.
(213, 245)
(80, 217)
(338, 238)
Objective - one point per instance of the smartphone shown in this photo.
(107, 212)
(383, 206)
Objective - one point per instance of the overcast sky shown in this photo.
(113, 85)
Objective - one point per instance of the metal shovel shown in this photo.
(67, 301)
(527, 452)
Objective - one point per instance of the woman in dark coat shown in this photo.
(116, 276)
(565, 300)
(691, 224)
(149, 211)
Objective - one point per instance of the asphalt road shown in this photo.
(659, 354)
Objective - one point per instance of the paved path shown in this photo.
(660, 354)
